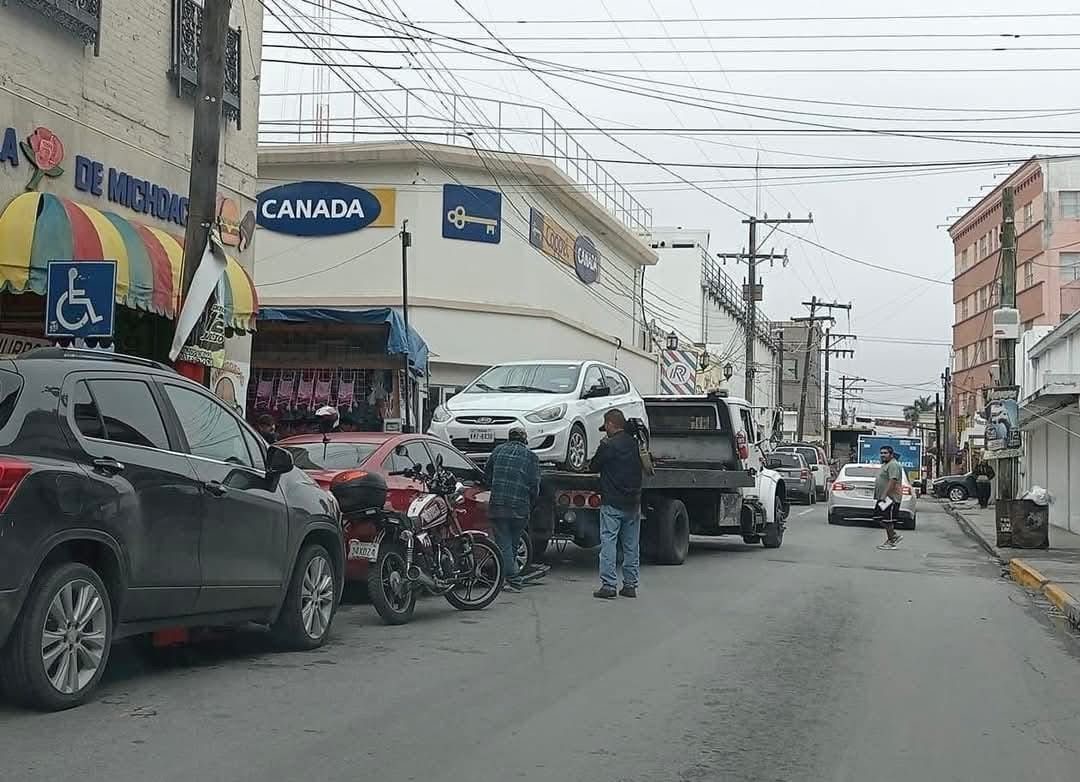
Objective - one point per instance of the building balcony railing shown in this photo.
(82, 18)
(719, 287)
(505, 128)
(187, 27)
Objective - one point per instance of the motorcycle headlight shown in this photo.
(441, 415)
(547, 414)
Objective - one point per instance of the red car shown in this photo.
(386, 452)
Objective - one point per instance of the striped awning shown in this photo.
(36, 228)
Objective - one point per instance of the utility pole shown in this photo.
(751, 293)
(845, 381)
(406, 242)
(937, 431)
(946, 379)
(1007, 468)
(780, 376)
(839, 353)
(205, 149)
(814, 304)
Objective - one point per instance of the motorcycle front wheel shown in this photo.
(389, 589)
(483, 585)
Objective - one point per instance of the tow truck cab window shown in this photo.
(748, 425)
(675, 418)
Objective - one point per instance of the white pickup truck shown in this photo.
(712, 478)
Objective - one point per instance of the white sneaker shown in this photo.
(888, 546)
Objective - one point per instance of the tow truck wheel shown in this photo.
(773, 536)
(672, 524)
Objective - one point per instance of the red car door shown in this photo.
(474, 514)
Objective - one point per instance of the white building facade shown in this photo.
(690, 293)
(1049, 362)
(509, 259)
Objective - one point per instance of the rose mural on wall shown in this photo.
(45, 152)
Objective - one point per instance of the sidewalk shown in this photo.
(1054, 571)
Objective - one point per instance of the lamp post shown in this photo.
(672, 341)
(728, 371)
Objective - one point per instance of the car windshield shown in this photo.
(331, 456)
(810, 454)
(527, 379)
(861, 471)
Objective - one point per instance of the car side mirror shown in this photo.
(597, 391)
(438, 461)
(278, 460)
(401, 450)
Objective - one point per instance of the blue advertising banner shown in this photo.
(81, 299)
(908, 451)
(471, 214)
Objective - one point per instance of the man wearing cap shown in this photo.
(512, 473)
(618, 460)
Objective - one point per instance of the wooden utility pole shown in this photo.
(1007, 468)
(205, 148)
(406, 242)
(780, 376)
(937, 432)
(751, 293)
(946, 380)
(829, 352)
(845, 381)
(814, 304)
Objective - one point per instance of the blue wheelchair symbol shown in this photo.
(80, 299)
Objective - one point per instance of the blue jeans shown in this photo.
(507, 533)
(616, 523)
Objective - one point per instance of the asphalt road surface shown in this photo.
(824, 660)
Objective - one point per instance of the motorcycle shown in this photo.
(423, 549)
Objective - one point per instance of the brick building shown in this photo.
(1047, 215)
(96, 109)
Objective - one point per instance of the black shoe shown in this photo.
(534, 572)
(605, 593)
(628, 591)
(509, 586)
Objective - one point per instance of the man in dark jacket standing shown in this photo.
(619, 463)
(512, 472)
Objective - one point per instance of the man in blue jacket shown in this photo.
(618, 460)
(512, 473)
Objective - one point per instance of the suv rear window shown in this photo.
(683, 418)
(10, 386)
(810, 454)
(789, 460)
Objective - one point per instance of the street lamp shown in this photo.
(728, 371)
(672, 341)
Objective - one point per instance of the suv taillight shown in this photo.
(804, 474)
(12, 472)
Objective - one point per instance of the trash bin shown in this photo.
(1022, 524)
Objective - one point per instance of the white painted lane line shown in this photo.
(804, 512)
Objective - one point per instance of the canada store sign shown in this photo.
(324, 208)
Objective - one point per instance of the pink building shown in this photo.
(1047, 214)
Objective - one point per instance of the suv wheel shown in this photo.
(58, 651)
(304, 622)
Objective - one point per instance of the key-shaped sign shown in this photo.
(458, 217)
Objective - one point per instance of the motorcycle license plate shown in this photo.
(481, 436)
(358, 549)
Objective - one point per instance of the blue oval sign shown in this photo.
(586, 260)
(317, 208)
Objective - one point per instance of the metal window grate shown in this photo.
(82, 18)
(187, 26)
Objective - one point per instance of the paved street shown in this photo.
(824, 660)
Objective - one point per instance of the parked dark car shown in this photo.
(133, 500)
(954, 487)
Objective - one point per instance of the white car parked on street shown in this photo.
(560, 405)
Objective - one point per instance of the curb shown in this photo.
(1022, 573)
(973, 532)
(1025, 575)
(1065, 602)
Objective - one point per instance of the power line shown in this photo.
(770, 19)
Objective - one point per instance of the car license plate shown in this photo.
(358, 549)
(865, 493)
(481, 436)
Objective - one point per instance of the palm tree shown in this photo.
(912, 412)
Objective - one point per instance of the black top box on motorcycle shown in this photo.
(359, 490)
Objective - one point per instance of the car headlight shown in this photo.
(441, 415)
(548, 414)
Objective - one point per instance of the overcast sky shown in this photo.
(889, 218)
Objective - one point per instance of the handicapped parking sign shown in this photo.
(80, 302)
